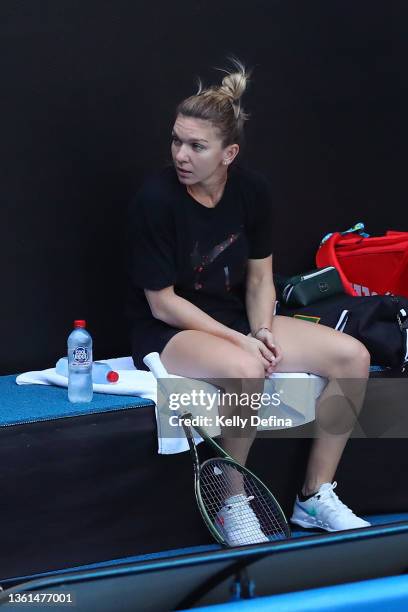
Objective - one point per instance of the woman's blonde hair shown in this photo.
(221, 104)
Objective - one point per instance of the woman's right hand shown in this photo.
(258, 349)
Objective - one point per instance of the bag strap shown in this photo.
(358, 228)
(402, 318)
(341, 323)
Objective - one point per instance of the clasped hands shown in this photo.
(264, 348)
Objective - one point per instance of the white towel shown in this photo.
(299, 398)
(131, 381)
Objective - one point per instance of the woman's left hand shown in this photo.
(266, 337)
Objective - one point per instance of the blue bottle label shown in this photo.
(80, 356)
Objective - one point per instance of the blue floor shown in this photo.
(380, 519)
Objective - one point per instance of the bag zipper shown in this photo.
(306, 276)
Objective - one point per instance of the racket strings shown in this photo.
(266, 512)
(257, 520)
(242, 510)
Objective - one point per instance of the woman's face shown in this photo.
(197, 150)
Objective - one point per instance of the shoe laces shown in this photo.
(329, 499)
(239, 514)
(243, 501)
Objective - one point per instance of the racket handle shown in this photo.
(153, 362)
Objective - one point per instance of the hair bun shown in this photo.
(215, 103)
(234, 83)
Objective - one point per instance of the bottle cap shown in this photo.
(112, 376)
(80, 323)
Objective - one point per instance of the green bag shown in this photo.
(310, 287)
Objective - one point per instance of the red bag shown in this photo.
(367, 265)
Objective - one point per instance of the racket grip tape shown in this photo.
(153, 362)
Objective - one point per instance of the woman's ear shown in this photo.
(230, 154)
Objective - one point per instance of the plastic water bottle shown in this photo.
(80, 364)
(102, 373)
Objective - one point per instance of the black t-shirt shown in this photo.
(202, 252)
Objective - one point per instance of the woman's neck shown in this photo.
(209, 194)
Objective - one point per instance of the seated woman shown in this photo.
(202, 291)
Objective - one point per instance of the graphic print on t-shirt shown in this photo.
(201, 261)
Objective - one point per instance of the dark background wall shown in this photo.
(88, 90)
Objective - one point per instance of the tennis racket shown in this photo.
(236, 506)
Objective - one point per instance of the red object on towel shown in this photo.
(368, 265)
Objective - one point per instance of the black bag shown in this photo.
(380, 322)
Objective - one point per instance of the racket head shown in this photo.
(219, 479)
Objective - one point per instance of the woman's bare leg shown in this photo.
(344, 361)
(196, 354)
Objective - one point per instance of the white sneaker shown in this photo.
(238, 523)
(326, 511)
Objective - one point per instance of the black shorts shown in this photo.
(155, 335)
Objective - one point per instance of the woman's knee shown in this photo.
(201, 355)
(352, 359)
(240, 364)
(246, 366)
